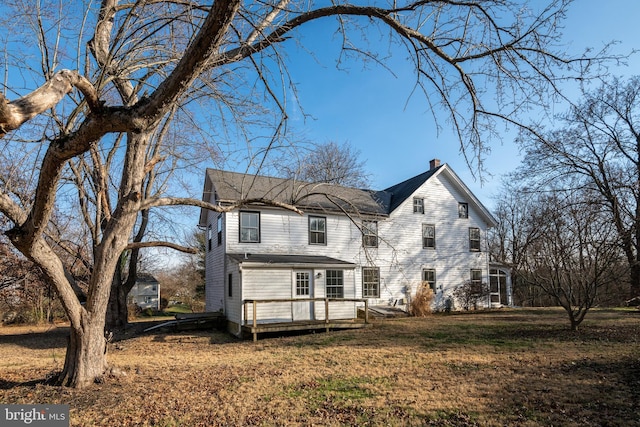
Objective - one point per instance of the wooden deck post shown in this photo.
(246, 317)
(326, 313)
(255, 321)
(366, 311)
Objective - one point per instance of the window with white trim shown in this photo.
(429, 278)
(334, 284)
(474, 239)
(303, 283)
(428, 236)
(476, 277)
(497, 284)
(463, 210)
(370, 234)
(418, 205)
(249, 227)
(317, 230)
(370, 282)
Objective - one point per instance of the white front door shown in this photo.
(302, 289)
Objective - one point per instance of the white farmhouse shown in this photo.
(347, 246)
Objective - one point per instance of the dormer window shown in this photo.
(463, 210)
(418, 205)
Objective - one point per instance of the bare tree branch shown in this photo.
(13, 114)
(177, 201)
(156, 244)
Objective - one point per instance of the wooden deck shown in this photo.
(305, 325)
(254, 327)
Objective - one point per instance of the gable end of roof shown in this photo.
(402, 191)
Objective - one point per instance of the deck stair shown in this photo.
(188, 321)
(386, 312)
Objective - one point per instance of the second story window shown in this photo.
(317, 230)
(428, 236)
(418, 205)
(474, 239)
(370, 234)
(249, 227)
(209, 236)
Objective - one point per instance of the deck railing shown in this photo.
(327, 320)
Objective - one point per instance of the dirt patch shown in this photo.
(500, 368)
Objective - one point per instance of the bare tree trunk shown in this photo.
(634, 286)
(574, 323)
(86, 358)
(117, 310)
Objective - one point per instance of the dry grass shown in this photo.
(420, 305)
(510, 367)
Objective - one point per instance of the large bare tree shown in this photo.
(328, 162)
(575, 256)
(510, 240)
(480, 61)
(597, 146)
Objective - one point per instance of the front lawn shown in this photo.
(507, 367)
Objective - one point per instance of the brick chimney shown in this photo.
(434, 164)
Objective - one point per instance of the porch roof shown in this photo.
(277, 260)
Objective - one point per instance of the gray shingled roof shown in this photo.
(400, 192)
(231, 187)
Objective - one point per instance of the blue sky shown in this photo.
(396, 133)
(394, 130)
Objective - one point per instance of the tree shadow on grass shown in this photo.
(44, 340)
(586, 392)
(7, 385)
(523, 336)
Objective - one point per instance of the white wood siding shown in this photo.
(283, 232)
(277, 283)
(214, 266)
(400, 256)
(267, 284)
(233, 303)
